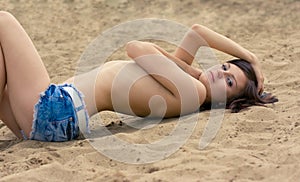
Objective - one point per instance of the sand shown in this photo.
(257, 144)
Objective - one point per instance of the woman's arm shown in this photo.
(156, 62)
(194, 72)
(200, 35)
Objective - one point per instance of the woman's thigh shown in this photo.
(26, 75)
(7, 116)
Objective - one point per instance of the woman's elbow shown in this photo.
(137, 48)
(133, 48)
(197, 28)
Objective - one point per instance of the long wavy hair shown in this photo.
(250, 95)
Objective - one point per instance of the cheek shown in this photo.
(219, 91)
(216, 90)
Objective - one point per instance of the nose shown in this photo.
(220, 74)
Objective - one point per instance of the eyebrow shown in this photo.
(233, 77)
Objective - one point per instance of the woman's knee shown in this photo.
(5, 14)
(5, 18)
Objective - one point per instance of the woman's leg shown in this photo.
(7, 116)
(26, 75)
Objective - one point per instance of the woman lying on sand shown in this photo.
(35, 109)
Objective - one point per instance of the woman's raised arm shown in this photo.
(200, 35)
(166, 70)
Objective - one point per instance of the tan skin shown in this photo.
(168, 90)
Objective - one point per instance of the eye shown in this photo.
(224, 67)
(229, 82)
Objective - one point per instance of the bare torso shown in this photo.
(125, 87)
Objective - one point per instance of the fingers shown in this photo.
(259, 78)
(260, 88)
(194, 72)
(260, 83)
(198, 73)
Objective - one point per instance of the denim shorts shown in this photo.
(58, 114)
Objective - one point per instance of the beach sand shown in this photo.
(257, 144)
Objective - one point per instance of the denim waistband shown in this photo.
(79, 107)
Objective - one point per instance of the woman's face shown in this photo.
(223, 82)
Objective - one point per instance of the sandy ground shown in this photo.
(258, 144)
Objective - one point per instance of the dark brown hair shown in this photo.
(250, 95)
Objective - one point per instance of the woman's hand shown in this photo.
(219, 42)
(259, 75)
(194, 72)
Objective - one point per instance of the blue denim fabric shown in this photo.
(55, 117)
